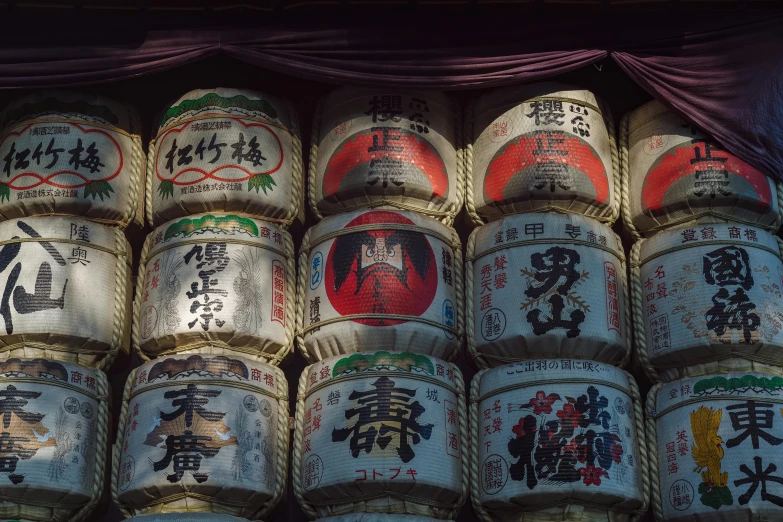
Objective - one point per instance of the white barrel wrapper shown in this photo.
(715, 448)
(71, 153)
(216, 283)
(546, 285)
(676, 175)
(66, 290)
(541, 147)
(705, 293)
(202, 433)
(554, 438)
(381, 432)
(375, 148)
(380, 280)
(53, 439)
(226, 150)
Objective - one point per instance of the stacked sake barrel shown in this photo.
(706, 276)
(214, 311)
(72, 176)
(381, 421)
(556, 429)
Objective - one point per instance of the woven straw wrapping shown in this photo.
(253, 167)
(706, 299)
(541, 148)
(71, 290)
(72, 154)
(674, 175)
(593, 414)
(710, 438)
(241, 465)
(518, 271)
(54, 456)
(380, 280)
(376, 517)
(247, 268)
(375, 149)
(186, 517)
(414, 464)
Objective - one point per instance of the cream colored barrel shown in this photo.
(381, 432)
(557, 439)
(675, 175)
(187, 517)
(714, 443)
(219, 284)
(542, 147)
(546, 285)
(381, 149)
(226, 150)
(202, 433)
(380, 280)
(70, 153)
(53, 439)
(704, 294)
(376, 517)
(66, 290)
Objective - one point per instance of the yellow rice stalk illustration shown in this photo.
(707, 452)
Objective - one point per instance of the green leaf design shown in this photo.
(215, 100)
(360, 362)
(166, 189)
(261, 181)
(99, 188)
(5, 192)
(227, 222)
(715, 497)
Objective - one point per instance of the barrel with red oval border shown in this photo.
(678, 174)
(539, 147)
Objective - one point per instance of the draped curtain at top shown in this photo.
(721, 71)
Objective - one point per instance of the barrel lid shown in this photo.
(47, 370)
(377, 218)
(542, 228)
(227, 102)
(69, 228)
(370, 364)
(344, 94)
(734, 385)
(649, 111)
(703, 235)
(507, 97)
(527, 373)
(70, 105)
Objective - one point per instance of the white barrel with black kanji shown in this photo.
(715, 448)
(226, 150)
(546, 285)
(674, 174)
(53, 439)
(202, 433)
(219, 284)
(376, 517)
(544, 147)
(704, 294)
(375, 148)
(381, 432)
(66, 290)
(380, 280)
(74, 154)
(556, 439)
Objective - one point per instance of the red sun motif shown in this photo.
(400, 153)
(705, 159)
(531, 151)
(381, 271)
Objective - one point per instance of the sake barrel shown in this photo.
(55, 434)
(226, 150)
(187, 517)
(202, 433)
(376, 517)
(66, 290)
(706, 293)
(546, 285)
(675, 174)
(542, 147)
(714, 448)
(379, 280)
(216, 283)
(74, 154)
(376, 148)
(381, 432)
(557, 439)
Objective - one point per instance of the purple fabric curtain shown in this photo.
(721, 72)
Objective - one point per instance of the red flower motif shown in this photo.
(541, 403)
(519, 429)
(569, 415)
(616, 451)
(592, 475)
